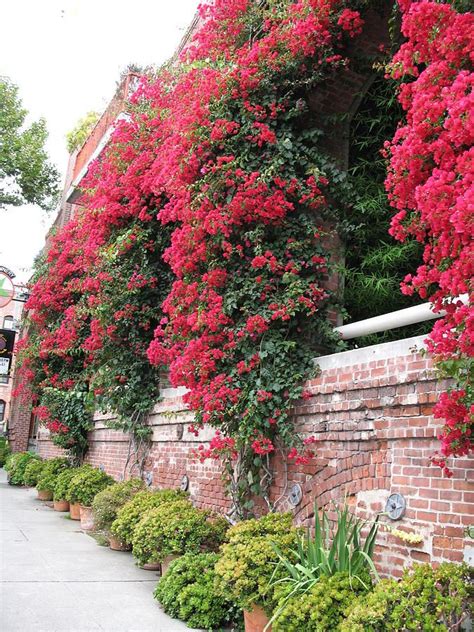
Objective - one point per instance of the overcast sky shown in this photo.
(66, 57)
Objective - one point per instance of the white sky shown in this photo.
(66, 57)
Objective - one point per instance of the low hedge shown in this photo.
(88, 482)
(110, 500)
(132, 512)
(188, 592)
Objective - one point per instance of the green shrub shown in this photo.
(338, 549)
(321, 608)
(88, 482)
(187, 592)
(51, 470)
(107, 502)
(173, 529)
(249, 559)
(63, 480)
(428, 599)
(5, 451)
(132, 512)
(32, 472)
(16, 466)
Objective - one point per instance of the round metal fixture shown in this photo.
(295, 495)
(396, 506)
(184, 484)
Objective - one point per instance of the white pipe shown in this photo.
(400, 318)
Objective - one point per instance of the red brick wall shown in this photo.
(372, 415)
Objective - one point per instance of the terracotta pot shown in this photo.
(165, 564)
(152, 566)
(87, 518)
(256, 620)
(118, 545)
(61, 505)
(45, 494)
(75, 511)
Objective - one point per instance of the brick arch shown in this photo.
(340, 479)
(342, 93)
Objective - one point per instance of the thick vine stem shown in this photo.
(138, 445)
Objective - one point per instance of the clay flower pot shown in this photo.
(61, 505)
(256, 620)
(152, 566)
(75, 511)
(87, 518)
(45, 494)
(118, 545)
(165, 564)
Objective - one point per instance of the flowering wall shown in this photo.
(430, 183)
(202, 243)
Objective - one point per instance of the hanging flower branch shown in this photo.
(430, 183)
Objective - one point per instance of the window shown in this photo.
(8, 322)
(2, 409)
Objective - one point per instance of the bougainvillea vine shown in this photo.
(204, 244)
(431, 184)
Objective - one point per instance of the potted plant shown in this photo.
(247, 565)
(332, 550)
(5, 451)
(173, 529)
(324, 606)
(188, 592)
(435, 598)
(32, 473)
(130, 514)
(106, 505)
(16, 464)
(82, 489)
(61, 487)
(47, 479)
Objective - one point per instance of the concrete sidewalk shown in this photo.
(54, 578)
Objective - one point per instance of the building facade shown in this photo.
(10, 319)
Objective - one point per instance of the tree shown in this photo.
(26, 174)
(77, 136)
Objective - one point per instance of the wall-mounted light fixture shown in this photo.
(395, 507)
(184, 484)
(295, 495)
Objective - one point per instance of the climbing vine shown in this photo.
(204, 244)
(430, 183)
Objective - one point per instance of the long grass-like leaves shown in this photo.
(330, 551)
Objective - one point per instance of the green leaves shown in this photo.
(26, 175)
(188, 591)
(330, 551)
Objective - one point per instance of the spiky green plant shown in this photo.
(339, 549)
